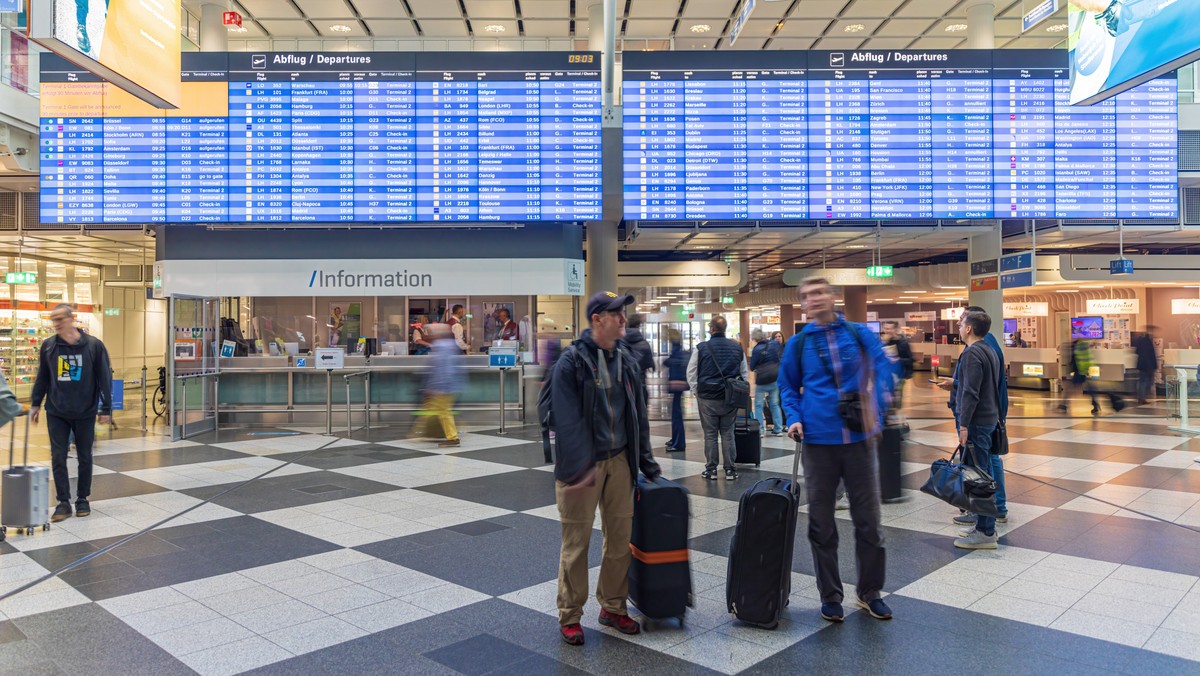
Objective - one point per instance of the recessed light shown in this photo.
(904, 302)
(701, 28)
(238, 29)
(956, 27)
(856, 246)
(340, 28)
(1066, 291)
(1056, 28)
(494, 28)
(855, 28)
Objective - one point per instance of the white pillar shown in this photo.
(981, 34)
(601, 265)
(214, 36)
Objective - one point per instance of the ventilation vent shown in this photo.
(1191, 206)
(1189, 150)
(8, 210)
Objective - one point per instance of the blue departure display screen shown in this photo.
(329, 138)
(962, 134)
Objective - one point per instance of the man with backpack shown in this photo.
(594, 402)
(764, 362)
(714, 363)
(835, 382)
(897, 347)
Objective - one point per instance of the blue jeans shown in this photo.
(678, 438)
(980, 436)
(771, 394)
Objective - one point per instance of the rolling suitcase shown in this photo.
(747, 441)
(759, 581)
(660, 576)
(891, 453)
(24, 492)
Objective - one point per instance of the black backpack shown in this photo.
(587, 386)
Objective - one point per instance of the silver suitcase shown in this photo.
(24, 492)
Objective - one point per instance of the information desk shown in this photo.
(268, 390)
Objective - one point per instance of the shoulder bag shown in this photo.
(961, 482)
(737, 390)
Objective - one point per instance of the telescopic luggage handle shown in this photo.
(12, 440)
(796, 468)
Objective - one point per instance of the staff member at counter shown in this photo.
(458, 329)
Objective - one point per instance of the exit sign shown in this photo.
(727, 300)
(232, 19)
(879, 271)
(112, 312)
(20, 278)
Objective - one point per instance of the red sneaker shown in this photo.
(622, 623)
(572, 634)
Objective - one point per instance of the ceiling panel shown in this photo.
(871, 8)
(381, 9)
(287, 29)
(838, 29)
(653, 9)
(433, 9)
(500, 9)
(648, 28)
(839, 43)
(935, 9)
(1036, 42)
(803, 28)
(325, 9)
(356, 29)
(546, 29)
(708, 8)
(759, 28)
(270, 9)
(887, 43)
(745, 43)
(548, 9)
(903, 28)
(1008, 27)
(444, 28)
(479, 26)
(248, 30)
(937, 43)
(716, 28)
(391, 28)
(792, 43)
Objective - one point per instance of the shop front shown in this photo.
(275, 313)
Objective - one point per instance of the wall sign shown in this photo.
(953, 313)
(1015, 310)
(1185, 306)
(925, 316)
(1037, 370)
(373, 277)
(1114, 306)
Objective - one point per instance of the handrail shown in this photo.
(208, 374)
(360, 374)
(366, 376)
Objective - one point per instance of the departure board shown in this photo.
(329, 138)
(961, 134)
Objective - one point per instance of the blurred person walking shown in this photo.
(764, 362)
(1147, 363)
(446, 380)
(676, 364)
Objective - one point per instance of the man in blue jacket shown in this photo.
(835, 381)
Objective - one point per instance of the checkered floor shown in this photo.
(288, 551)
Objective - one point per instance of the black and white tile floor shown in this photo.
(380, 554)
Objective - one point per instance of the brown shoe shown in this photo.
(63, 511)
(449, 443)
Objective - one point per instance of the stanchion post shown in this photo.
(503, 373)
(328, 402)
(144, 428)
(349, 427)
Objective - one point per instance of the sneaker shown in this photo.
(977, 540)
(832, 612)
(62, 511)
(622, 623)
(1003, 518)
(965, 519)
(877, 608)
(710, 474)
(82, 508)
(843, 503)
(731, 475)
(449, 443)
(777, 433)
(572, 634)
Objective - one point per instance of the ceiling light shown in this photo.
(1056, 28)
(701, 28)
(856, 246)
(881, 300)
(1066, 291)
(956, 27)
(904, 302)
(1163, 283)
(238, 29)
(855, 28)
(494, 28)
(340, 28)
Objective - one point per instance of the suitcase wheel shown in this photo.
(774, 625)
(45, 527)
(758, 464)
(787, 602)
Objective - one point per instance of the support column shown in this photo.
(744, 329)
(214, 36)
(855, 298)
(981, 34)
(601, 246)
(787, 320)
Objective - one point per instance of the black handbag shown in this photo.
(1000, 439)
(960, 482)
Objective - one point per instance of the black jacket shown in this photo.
(73, 378)
(641, 350)
(1147, 359)
(978, 387)
(717, 358)
(904, 355)
(576, 433)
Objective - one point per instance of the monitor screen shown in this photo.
(867, 135)
(1010, 326)
(375, 137)
(1087, 328)
(875, 326)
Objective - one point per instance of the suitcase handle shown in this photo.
(796, 468)
(12, 440)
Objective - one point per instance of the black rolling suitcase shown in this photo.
(891, 453)
(747, 441)
(660, 576)
(760, 555)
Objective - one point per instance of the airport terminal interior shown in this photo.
(269, 240)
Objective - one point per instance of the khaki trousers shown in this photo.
(441, 415)
(613, 492)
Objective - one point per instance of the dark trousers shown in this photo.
(1145, 385)
(60, 430)
(716, 419)
(857, 466)
(678, 438)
